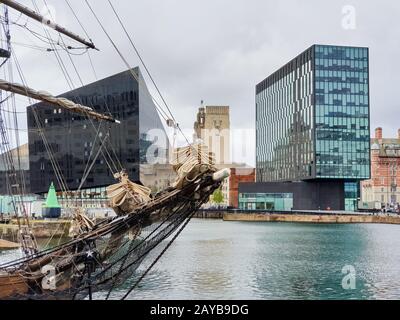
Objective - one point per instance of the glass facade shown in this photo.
(285, 122)
(266, 201)
(342, 113)
(72, 137)
(351, 195)
(312, 117)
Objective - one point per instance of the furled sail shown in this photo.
(126, 195)
(47, 97)
(190, 162)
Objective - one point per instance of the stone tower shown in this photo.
(212, 126)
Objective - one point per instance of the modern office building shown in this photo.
(383, 187)
(312, 124)
(75, 140)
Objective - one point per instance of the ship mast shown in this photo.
(47, 97)
(44, 96)
(38, 17)
(26, 237)
(15, 181)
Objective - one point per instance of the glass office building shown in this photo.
(312, 119)
(75, 140)
(284, 122)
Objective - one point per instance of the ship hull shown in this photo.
(12, 285)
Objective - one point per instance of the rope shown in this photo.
(115, 169)
(76, 17)
(163, 114)
(158, 257)
(141, 59)
(92, 165)
(53, 161)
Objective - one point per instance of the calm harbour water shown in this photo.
(213, 259)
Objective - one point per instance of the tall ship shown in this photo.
(99, 257)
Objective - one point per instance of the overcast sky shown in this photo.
(218, 50)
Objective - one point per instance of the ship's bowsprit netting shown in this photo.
(103, 262)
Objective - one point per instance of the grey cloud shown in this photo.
(218, 50)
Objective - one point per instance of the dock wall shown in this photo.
(41, 229)
(304, 218)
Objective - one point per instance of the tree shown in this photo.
(218, 196)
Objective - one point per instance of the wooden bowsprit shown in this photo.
(114, 255)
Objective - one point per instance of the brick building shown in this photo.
(385, 171)
(238, 175)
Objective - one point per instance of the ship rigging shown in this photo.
(100, 257)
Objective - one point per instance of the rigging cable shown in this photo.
(147, 70)
(28, 246)
(53, 161)
(141, 60)
(71, 84)
(76, 17)
(159, 256)
(160, 110)
(176, 125)
(123, 58)
(86, 33)
(76, 70)
(106, 104)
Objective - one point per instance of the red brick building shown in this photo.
(237, 176)
(384, 185)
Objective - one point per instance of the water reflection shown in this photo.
(235, 260)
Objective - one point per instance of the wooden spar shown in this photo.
(36, 16)
(4, 244)
(61, 102)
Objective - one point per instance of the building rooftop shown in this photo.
(22, 164)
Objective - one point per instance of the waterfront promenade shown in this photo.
(299, 216)
(44, 229)
(313, 218)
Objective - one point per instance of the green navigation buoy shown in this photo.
(51, 208)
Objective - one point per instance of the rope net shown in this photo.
(102, 260)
